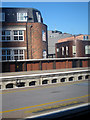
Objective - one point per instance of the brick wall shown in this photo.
(42, 65)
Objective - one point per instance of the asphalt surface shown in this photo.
(25, 102)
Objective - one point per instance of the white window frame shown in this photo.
(57, 49)
(62, 50)
(66, 50)
(74, 49)
(18, 35)
(38, 17)
(11, 36)
(87, 49)
(12, 55)
(19, 17)
(6, 35)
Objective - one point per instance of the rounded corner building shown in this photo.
(24, 36)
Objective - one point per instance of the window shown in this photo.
(18, 54)
(6, 35)
(9, 54)
(83, 37)
(21, 16)
(6, 54)
(62, 50)
(74, 50)
(43, 35)
(87, 37)
(2, 17)
(66, 50)
(44, 54)
(87, 49)
(38, 16)
(57, 49)
(18, 35)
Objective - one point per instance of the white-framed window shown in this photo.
(6, 35)
(44, 54)
(62, 50)
(66, 50)
(87, 49)
(18, 35)
(74, 50)
(21, 16)
(14, 35)
(6, 54)
(38, 16)
(18, 54)
(43, 35)
(9, 54)
(2, 17)
(57, 49)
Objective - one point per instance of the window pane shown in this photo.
(62, 50)
(15, 51)
(7, 32)
(16, 32)
(3, 16)
(3, 32)
(8, 58)
(15, 57)
(21, 16)
(74, 50)
(8, 38)
(3, 38)
(3, 57)
(21, 51)
(87, 38)
(21, 57)
(20, 37)
(3, 52)
(20, 32)
(8, 52)
(15, 37)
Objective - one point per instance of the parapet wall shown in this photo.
(45, 64)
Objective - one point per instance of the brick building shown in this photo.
(23, 36)
(75, 46)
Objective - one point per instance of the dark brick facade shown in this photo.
(80, 48)
(48, 64)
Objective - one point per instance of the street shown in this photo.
(25, 102)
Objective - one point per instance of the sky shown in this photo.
(68, 17)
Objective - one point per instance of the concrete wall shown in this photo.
(8, 83)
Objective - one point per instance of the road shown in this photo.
(25, 102)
